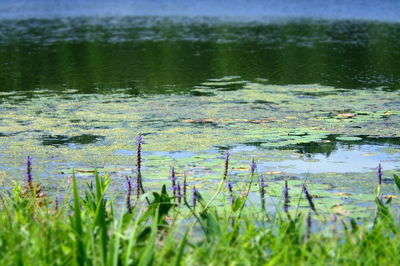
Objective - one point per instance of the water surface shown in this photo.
(308, 98)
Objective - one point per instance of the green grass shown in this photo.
(89, 229)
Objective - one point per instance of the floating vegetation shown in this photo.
(292, 134)
(64, 140)
(348, 138)
(284, 118)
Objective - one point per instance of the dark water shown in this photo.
(153, 55)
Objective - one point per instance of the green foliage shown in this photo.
(397, 181)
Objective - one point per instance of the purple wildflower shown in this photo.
(184, 187)
(128, 194)
(29, 170)
(137, 186)
(139, 163)
(334, 221)
(309, 198)
(179, 195)
(286, 197)
(194, 199)
(139, 151)
(173, 179)
(309, 225)
(262, 192)
(380, 174)
(56, 207)
(253, 167)
(226, 165)
(230, 188)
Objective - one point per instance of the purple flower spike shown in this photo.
(230, 188)
(309, 225)
(29, 170)
(138, 187)
(56, 207)
(194, 199)
(139, 152)
(173, 179)
(139, 182)
(179, 193)
(286, 197)
(226, 164)
(253, 167)
(262, 191)
(309, 198)
(184, 187)
(139, 139)
(380, 174)
(334, 221)
(128, 194)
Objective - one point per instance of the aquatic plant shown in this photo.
(56, 206)
(286, 200)
(309, 198)
(128, 194)
(33, 190)
(179, 194)
(253, 166)
(138, 186)
(308, 225)
(226, 165)
(379, 174)
(231, 196)
(221, 183)
(139, 164)
(173, 180)
(29, 171)
(194, 197)
(262, 186)
(334, 225)
(184, 187)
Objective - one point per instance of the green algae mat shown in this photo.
(271, 116)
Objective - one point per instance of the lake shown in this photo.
(314, 99)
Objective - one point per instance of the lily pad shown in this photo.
(348, 138)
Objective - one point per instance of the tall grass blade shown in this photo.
(116, 244)
(77, 225)
(397, 181)
(148, 255)
(182, 245)
(100, 218)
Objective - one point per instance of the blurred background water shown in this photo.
(382, 10)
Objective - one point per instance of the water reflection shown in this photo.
(148, 55)
(331, 144)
